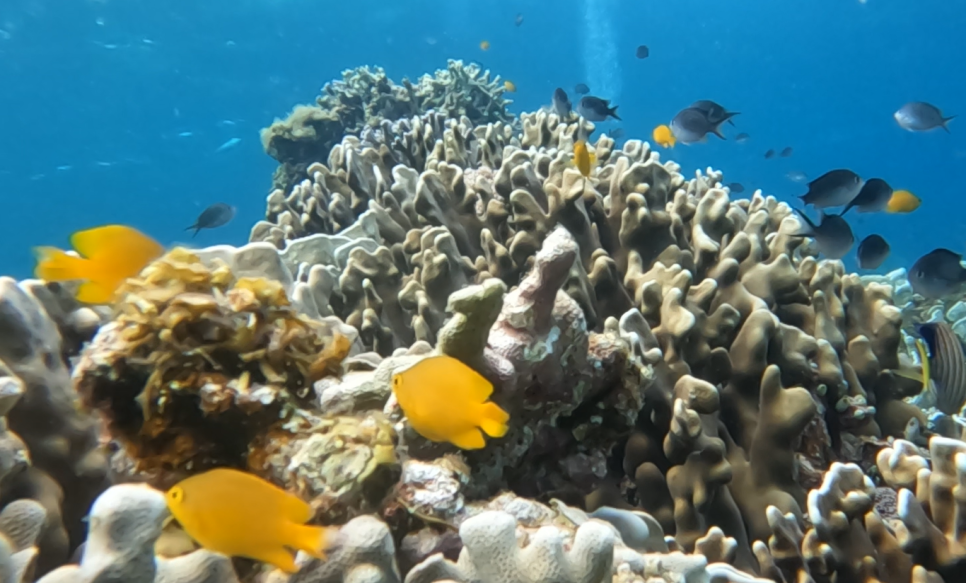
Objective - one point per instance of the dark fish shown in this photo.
(919, 116)
(742, 138)
(216, 215)
(834, 188)
(736, 187)
(691, 125)
(596, 109)
(872, 251)
(561, 103)
(833, 236)
(715, 113)
(797, 176)
(581, 89)
(519, 19)
(947, 365)
(643, 52)
(787, 152)
(937, 273)
(769, 154)
(874, 197)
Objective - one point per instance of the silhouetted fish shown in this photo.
(643, 52)
(787, 152)
(596, 109)
(742, 138)
(919, 116)
(691, 125)
(833, 235)
(216, 215)
(769, 154)
(561, 103)
(834, 188)
(736, 187)
(872, 252)
(581, 89)
(937, 273)
(947, 365)
(715, 112)
(874, 197)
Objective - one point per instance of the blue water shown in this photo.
(94, 95)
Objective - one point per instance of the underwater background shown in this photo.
(114, 112)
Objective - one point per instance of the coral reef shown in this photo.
(694, 395)
(367, 97)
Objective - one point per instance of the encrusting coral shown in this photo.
(695, 393)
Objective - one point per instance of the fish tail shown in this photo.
(613, 113)
(56, 265)
(717, 131)
(311, 540)
(946, 120)
(493, 421)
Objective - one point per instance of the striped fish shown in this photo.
(947, 367)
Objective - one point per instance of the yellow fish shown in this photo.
(510, 86)
(903, 201)
(109, 255)
(584, 159)
(237, 514)
(445, 400)
(663, 136)
(485, 45)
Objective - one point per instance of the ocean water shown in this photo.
(113, 111)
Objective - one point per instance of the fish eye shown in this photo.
(177, 494)
(396, 381)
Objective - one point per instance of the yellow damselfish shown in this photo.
(903, 201)
(584, 159)
(510, 86)
(445, 400)
(664, 136)
(109, 255)
(237, 514)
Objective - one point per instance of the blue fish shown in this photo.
(228, 145)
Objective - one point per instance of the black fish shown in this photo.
(596, 109)
(561, 103)
(937, 273)
(581, 89)
(692, 125)
(643, 52)
(947, 365)
(919, 116)
(833, 235)
(872, 251)
(736, 187)
(834, 188)
(874, 197)
(787, 152)
(216, 215)
(769, 154)
(715, 113)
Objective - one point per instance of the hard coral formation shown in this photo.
(367, 97)
(695, 394)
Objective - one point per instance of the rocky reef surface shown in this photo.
(694, 395)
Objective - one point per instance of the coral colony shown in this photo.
(693, 395)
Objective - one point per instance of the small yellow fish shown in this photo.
(584, 159)
(240, 515)
(485, 45)
(109, 255)
(903, 201)
(510, 86)
(445, 400)
(663, 136)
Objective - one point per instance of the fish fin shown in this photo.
(279, 557)
(946, 120)
(808, 223)
(56, 265)
(494, 420)
(592, 157)
(847, 207)
(95, 292)
(311, 540)
(613, 113)
(471, 439)
(94, 242)
(913, 374)
(296, 509)
(717, 131)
